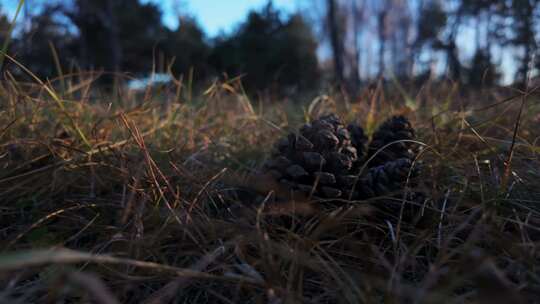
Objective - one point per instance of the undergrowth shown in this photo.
(128, 197)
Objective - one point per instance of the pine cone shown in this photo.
(386, 183)
(395, 129)
(359, 140)
(317, 160)
(324, 158)
(384, 179)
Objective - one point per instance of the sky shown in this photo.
(217, 16)
(213, 15)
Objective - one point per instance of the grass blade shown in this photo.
(9, 33)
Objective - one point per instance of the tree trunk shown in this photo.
(336, 40)
(454, 65)
(452, 59)
(382, 40)
(112, 37)
(357, 19)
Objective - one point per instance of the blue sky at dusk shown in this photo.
(213, 15)
(216, 16)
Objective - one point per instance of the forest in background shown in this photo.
(331, 41)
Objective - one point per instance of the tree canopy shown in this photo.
(349, 42)
(270, 50)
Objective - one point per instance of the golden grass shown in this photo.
(125, 197)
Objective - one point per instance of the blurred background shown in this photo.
(286, 46)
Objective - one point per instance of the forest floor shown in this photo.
(123, 197)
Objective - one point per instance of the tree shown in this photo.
(382, 31)
(4, 36)
(449, 46)
(117, 35)
(141, 30)
(482, 72)
(4, 26)
(524, 34)
(46, 30)
(357, 20)
(337, 33)
(296, 58)
(432, 21)
(99, 45)
(187, 44)
(269, 52)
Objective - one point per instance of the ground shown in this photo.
(119, 196)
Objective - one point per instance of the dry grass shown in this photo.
(125, 197)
